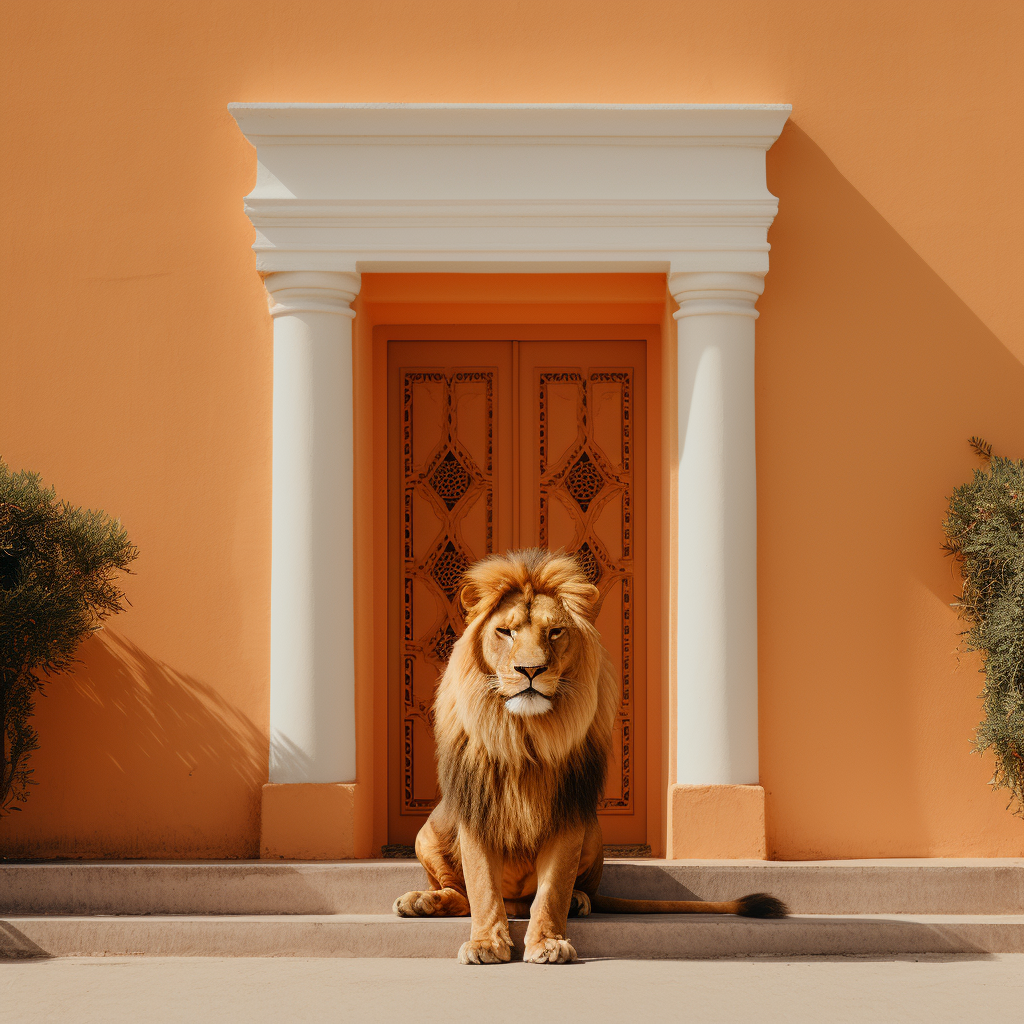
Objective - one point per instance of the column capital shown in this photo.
(715, 293)
(312, 291)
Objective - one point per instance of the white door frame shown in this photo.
(347, 188)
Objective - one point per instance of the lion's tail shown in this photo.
(758, 904)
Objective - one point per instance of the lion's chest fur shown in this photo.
(514, 807)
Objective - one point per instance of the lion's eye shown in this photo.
(555, 633)
(505, 632)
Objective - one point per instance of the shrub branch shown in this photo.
(59, 569)
(984, 531)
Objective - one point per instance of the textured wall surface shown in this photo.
(136, 367)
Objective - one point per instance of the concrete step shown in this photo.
(618, 936)
(926, 886)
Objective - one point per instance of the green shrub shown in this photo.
(58, 567)
(985, 535)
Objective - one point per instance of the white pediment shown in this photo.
(485, 187)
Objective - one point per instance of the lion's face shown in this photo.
(528, 681)
(526, 646)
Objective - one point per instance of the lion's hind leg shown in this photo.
(579, 905)
(446, 896)
(432, 903)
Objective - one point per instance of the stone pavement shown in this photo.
(822, 990)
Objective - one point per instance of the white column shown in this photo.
(312, 672)
(717, 629)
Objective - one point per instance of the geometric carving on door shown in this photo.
(447, 488)
(584, 481)
(450, 480)
(586, 507)
(588, 562)
(448, 569)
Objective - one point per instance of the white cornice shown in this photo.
(481, 186)
(670, 122)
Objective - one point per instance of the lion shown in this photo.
(523, 723)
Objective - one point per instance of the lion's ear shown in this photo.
(472, 601)
(483, 587)
(595, 599)
(467, 599)
(595, 605)
(584, 599)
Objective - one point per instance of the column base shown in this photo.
(716, 823)
(308, 821)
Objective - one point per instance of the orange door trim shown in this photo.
(634, 811)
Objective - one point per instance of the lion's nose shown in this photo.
(531, 671)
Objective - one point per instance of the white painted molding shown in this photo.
(703, 294)
(295, 291)
(344, 188)
(480, 187)
(742, 124)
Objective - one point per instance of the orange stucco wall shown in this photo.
(136, 370)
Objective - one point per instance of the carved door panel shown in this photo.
(582, 473)
(449, 503)
(495, 445)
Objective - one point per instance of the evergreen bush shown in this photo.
(985, 535)
(58, 571)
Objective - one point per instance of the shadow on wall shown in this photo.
(871, 374)
(291, 763)
(137, 760)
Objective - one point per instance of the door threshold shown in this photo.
(397, 851)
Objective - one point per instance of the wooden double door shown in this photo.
(497, 445)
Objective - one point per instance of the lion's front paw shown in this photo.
(550, 951)
(485, 951)
(580, 904)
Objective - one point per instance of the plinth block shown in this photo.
(716, 823)
(308, 821)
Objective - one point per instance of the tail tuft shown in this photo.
(760, 904)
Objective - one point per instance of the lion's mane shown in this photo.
(515, 780)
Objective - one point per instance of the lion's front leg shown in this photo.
(489, 942)
(557, 864)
